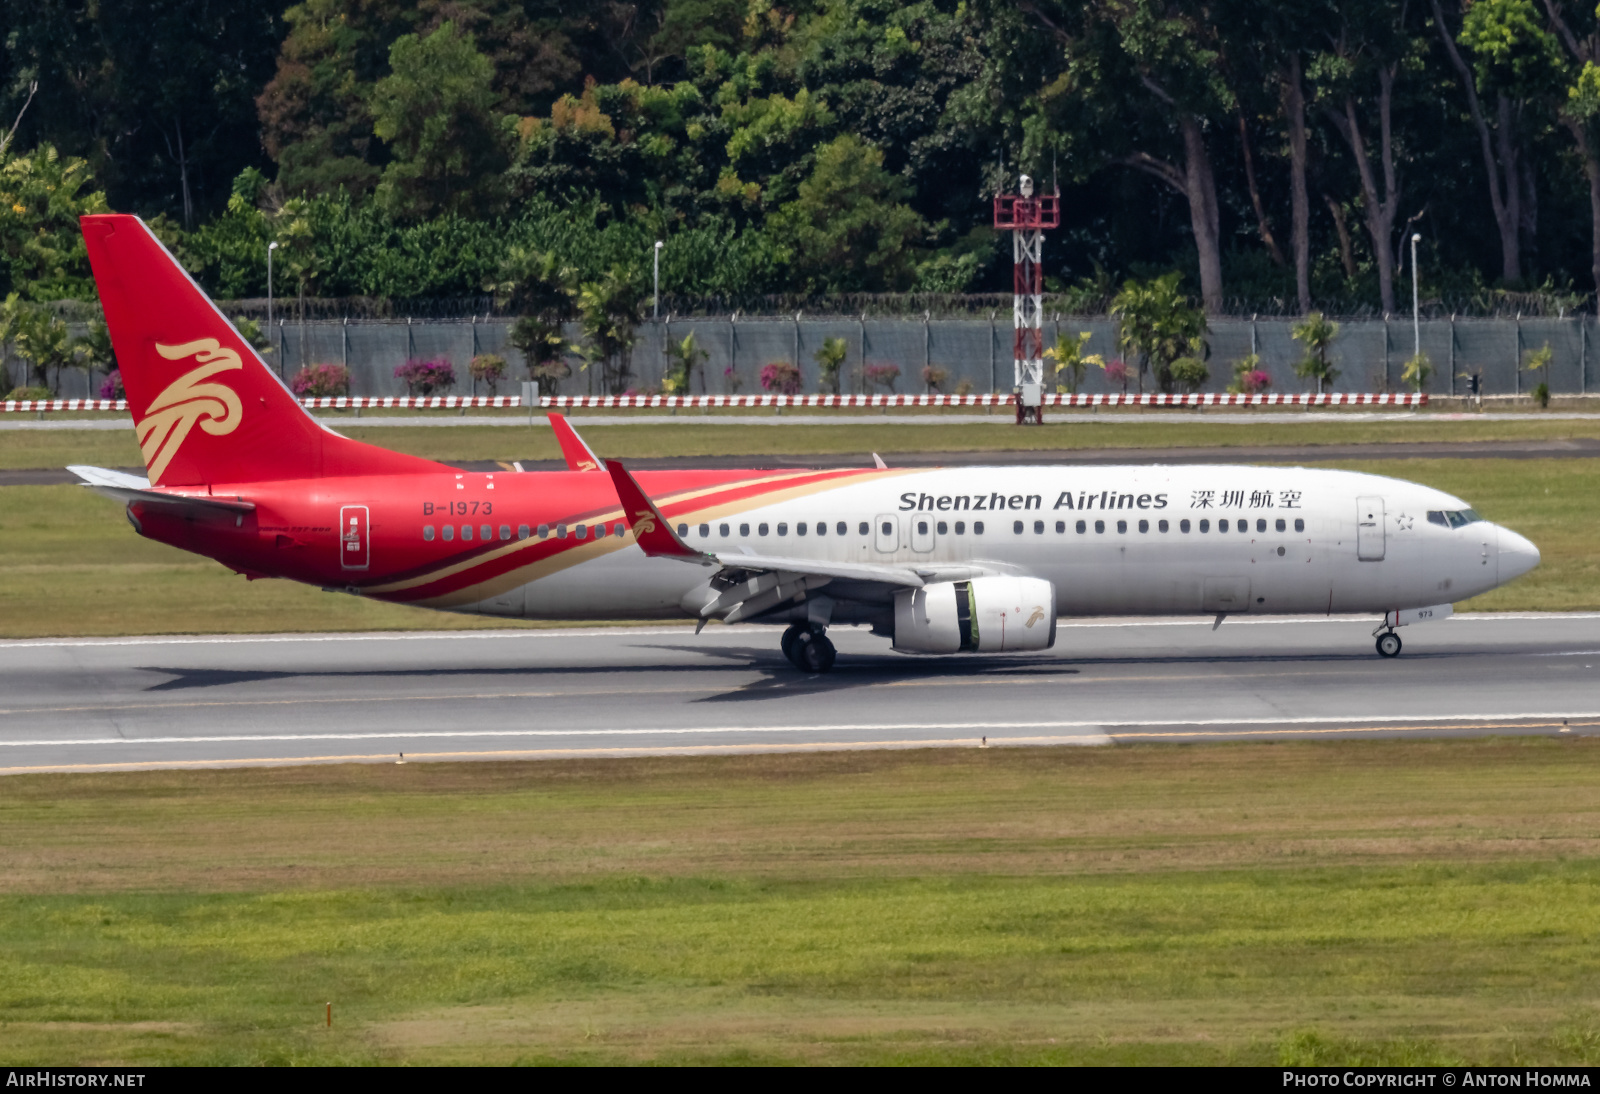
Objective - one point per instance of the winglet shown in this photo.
(650, 529)
(579, 456)
(877, 461)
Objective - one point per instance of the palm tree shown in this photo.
(830, 360)
(685, 357)
(1316, 333)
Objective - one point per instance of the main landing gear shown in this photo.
(807, 647)
(1389, 644)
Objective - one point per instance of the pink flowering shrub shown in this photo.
(1118, 372)
(1255, 382)
(426, 377)
(321, 382)
(780, 378)
(881, 375)
(111, 386)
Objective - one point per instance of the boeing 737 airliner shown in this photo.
(939, 561)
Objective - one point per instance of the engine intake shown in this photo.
(984, 615)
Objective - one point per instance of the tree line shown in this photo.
(1279, 155)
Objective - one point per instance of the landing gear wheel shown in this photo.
(815, 653)
(790, 637)
(1389, 644)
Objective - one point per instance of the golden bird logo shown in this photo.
(188, 401)
(587, 465)
(644, 522)
(1038, 614)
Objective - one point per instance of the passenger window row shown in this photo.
(1082, 526)
(820, 528)
(487, 532)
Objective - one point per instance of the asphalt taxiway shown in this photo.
(131, 703)
(1559, 449)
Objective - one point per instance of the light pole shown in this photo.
(657, 294)
(1416, 319)
(273, 246)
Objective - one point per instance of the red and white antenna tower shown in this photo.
(1027, 217)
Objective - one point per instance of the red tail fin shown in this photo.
(185, 366)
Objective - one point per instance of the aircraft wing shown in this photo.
(749, 584)
(131, 488)
(579, 456)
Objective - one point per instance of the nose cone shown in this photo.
(1517, 555)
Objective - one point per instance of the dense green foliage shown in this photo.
(1277, 154)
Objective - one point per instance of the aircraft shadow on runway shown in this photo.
(777, 673)
(777, 677)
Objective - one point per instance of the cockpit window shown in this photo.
(1453, 518)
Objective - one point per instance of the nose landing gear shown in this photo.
(1389, 644)
(807, 647)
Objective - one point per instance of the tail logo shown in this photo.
(188, 401)
(587, 465)
(644, 522)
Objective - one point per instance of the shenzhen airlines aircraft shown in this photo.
(939, 561)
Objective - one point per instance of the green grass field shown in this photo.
(73, 565)
(57, 448)
(1393, 902)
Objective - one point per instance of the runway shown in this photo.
(128, 704)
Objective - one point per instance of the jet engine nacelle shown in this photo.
(985, 615)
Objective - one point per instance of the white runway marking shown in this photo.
(976, 728)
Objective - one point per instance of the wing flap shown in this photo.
(845, 571)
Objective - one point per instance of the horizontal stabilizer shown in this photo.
(131, 488)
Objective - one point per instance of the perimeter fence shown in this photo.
(963, 355)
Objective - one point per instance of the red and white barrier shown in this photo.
(753, 401)
(624, 402)
(42, 405)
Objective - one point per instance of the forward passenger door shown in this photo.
(1369, 529)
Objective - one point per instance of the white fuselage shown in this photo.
(1112, 540)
